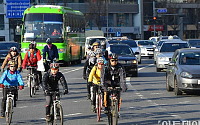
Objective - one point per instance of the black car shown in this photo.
(113, 41)
(126, 57)
(5, 48)
(194, 42)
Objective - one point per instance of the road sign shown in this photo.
(15, 8)
(162, 10)
(117, 33)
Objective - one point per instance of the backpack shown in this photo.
(32, 60)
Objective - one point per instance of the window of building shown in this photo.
(122, 20)
(2, 22)
(110, 20)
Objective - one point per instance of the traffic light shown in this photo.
(154, 18)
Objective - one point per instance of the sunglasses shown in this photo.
(96, 46)
(114, 60)
(54, 69)
(12, 66)
(100, 63)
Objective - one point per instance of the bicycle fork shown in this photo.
(7, 102)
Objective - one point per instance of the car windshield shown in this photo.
(121, 50)
(194, 42)
(189, 58)
(131, 43)
(145, 43)
(92, 40)
(7, 46)
(113, 41)
(172, 47)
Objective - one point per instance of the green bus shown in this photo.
(40, 21)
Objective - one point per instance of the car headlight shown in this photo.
(163, 58)
(132, 62)
(61, 50)
(186, 75)
(24, 50)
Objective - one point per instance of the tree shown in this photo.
(97, 12)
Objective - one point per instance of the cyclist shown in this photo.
(98, 52)
(31, 58)
(95, 45)
(50, 83)
(10, 77)
(14, 55)
(52, 52)
(89, 63)
(113, 75)
(38, 72)
(103, 47)
(94, 77)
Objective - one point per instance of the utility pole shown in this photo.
(154, 15)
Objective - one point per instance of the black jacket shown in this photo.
(50, 83)
(113, 76)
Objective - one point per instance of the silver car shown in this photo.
(183, 71)
(147, 47)
(166, 52)
(136, 49)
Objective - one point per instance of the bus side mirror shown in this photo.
(18, 29)
(68, 29)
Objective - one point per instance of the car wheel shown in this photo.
(168, 87)
(176, 89)
(158, 69)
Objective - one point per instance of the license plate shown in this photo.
(151, 53)
(198, 81)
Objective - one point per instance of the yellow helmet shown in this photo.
(95, 44)
(11, 63)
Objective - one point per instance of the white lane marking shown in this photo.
(156, 93)
(73, 114)
(73, 70)
(80, 101)
(145, 67)
(22, 107)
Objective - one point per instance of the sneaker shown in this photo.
(2, 114)
(48, 118)
(88, 97)
(93, 108)
(106, 110)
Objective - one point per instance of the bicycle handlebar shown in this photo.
(114, 89)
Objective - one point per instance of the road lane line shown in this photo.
(72, 70)
(145, 67)
(73, 114)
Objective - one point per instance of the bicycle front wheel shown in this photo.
(98, 107)
(9, 113)
(31, 88)
(58, 115)
(115, 113)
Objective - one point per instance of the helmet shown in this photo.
(54, 65)
(113, 56)
(100, 60)
(11, 63)
(48, 41)
(98, 51)
(31, 46)
(92, 54)
(14, 49)
(33, 42)
(95, 44)
(103, 42)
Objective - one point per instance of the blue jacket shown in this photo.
(52, 53)
(8, 79)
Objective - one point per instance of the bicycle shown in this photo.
(9, 103)
(98, 102)
(48, 62)
(32, 81)
(56, 111)
(113, 105)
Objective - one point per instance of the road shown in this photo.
(145, 103)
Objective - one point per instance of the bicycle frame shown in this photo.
(31, 76)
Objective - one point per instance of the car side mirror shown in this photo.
(171, 63)
(137, 53)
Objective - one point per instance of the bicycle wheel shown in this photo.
(59, 115)
(9, 113)
(115, 113)
(51, 117)
(98, 107)
(31, 90)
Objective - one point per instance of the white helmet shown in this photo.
(100, 60)
(98, 51)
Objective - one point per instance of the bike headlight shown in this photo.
(186, 75)
(61, 50)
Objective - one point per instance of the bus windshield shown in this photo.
(45, 25)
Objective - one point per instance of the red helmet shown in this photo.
(31, 46)
(54, 65)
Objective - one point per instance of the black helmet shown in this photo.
(31, 46)
(48, 41)
(113, 56)
(13, 49)
(54, 65)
